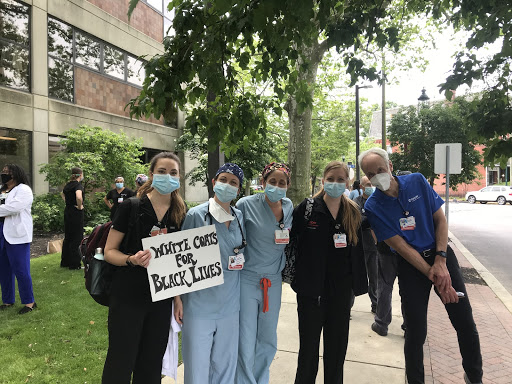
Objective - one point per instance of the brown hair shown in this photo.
(75, 173)
(178, 207)
(351, 215)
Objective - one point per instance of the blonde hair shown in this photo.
(351, 215)
(178, 207)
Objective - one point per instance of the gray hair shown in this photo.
(378, 151)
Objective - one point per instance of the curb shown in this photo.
(493, 283)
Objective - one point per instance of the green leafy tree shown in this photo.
(416, 133)
(490, 115)
(278, 43)
(102, 154)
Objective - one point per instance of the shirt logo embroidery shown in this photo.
(414, 198)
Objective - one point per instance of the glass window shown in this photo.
(486, 189)
(113, 62)
(60, 40)
(136, 71)
(157, 4)
(14, 22)
(87, 51)
(168, 29)
(14, 66)
(16, 147)
(60, 79)
(495, 189)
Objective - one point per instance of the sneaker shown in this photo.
(379, 330)
(26, 309)
(5, 306)
(466, 380)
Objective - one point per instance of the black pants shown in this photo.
(73, 234)
(331, 313)
(415, 291)
(138, 331)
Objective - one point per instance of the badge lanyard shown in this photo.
(281, 236)
(157, 229)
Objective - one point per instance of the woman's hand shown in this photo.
(141, 258)
(178, 310)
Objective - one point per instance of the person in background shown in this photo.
(369, 247)
(15, 237)
(117, 195)
(268, 219)
(329, 267)
(73, 195)
(356, 190)
(140, 180)
(138, 328)
(407, 214)
(210, 317)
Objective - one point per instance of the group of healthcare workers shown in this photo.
(229, 331)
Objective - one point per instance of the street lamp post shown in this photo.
(357, 128)
(423, 99)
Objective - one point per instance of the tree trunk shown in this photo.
(313, 184)
(248, 188)
(299, 147)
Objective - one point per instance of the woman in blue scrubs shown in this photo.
(267, 218)
(210, 317)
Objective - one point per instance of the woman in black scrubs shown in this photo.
(73, 195)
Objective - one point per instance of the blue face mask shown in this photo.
(369, 190)
(274, 193)
(119, 185)
(225, 192)
(165, 184)
(334, 190)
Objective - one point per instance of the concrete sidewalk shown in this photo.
(380, 360)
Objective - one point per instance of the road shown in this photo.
(486, 231)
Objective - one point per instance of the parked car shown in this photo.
(497, 193)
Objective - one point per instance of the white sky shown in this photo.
(441, 61)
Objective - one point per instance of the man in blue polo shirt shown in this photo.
(406, 213)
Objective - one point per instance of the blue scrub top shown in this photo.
(263, 257)
(414, 195)
(221, 300)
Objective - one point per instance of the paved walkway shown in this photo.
(380, 360)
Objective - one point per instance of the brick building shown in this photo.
(70, 62)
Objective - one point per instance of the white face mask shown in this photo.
(381, 181)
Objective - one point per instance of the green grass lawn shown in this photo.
(64, 340)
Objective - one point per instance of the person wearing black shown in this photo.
(369, 247)
(73, 195)
(138, 328)
(329, 266)
(117, 195)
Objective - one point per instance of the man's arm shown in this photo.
(410, 254)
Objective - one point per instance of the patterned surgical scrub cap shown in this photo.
(233, 169)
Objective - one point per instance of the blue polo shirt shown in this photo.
(221, 300)
(263, 257)
(417, 197)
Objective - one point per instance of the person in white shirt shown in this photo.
(15, 237)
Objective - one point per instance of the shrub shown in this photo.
(48, 213)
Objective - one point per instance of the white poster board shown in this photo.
(183, 261)
(455, 158)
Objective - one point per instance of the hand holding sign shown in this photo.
(141, 258)
(183, 262)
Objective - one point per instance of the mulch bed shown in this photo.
(40, 242)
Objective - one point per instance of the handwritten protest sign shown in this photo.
(183, 262)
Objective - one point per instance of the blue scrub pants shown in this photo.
(258, 331)
(15, 262)
(210, 349)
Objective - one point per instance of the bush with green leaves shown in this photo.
(48, 213)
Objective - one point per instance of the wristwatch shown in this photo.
(441, 253)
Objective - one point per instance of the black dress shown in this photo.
(73, 227)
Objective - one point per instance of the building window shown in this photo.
(14, 45)
(16, 148)
(68, 46)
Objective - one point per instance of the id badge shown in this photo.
(155, 231)
(119, 200)
(282, 236)
(340, 240)
(407, 223)
(236, 263)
